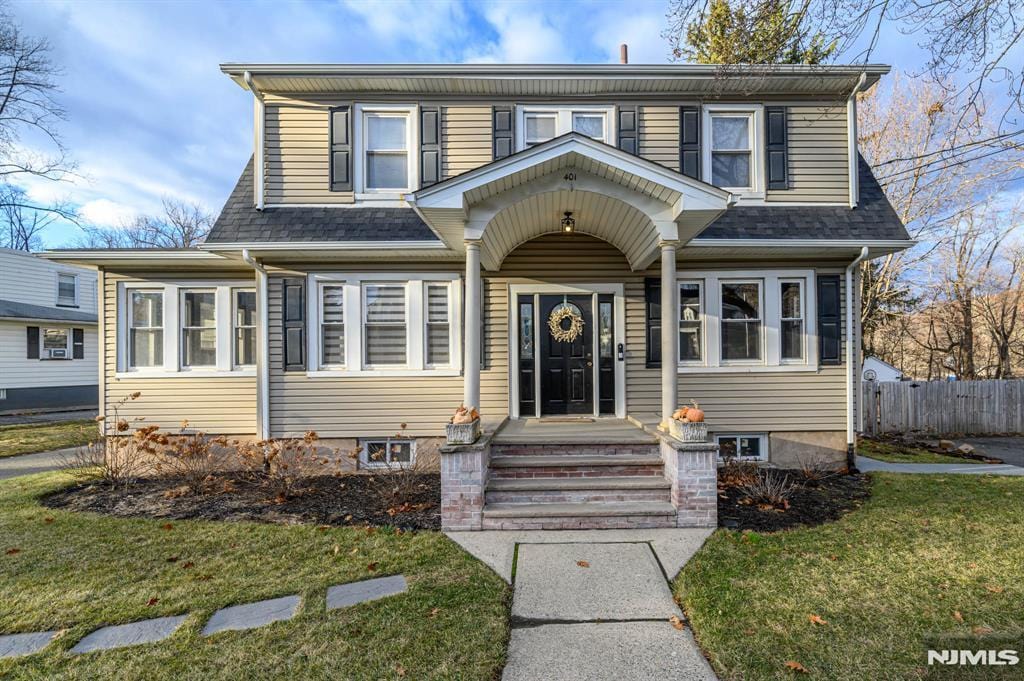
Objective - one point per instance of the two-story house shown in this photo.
(576, 250)
(48, 346)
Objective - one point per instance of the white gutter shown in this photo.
(851, 138)
(258, 135)
(262, 351)
(850, 392)
(325, 246)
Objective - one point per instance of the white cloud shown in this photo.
(639, 29)
(525, 35)
(106, 213)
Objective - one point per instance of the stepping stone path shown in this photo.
(233, 618)
(252, 615)
(134, 633)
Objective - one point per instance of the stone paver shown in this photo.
(252, 615)
(496, 548)
(134, 633)
(868, 465)
(617, 582)
(15, 645)
(41, 462)
(616, 651)
(359, 592)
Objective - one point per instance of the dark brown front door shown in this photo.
(566, 366)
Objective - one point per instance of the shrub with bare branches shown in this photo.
(281, 463)
(188, 456)
(394, 479)
(769, 490)
(119, 457)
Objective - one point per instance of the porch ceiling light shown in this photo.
(568, 223)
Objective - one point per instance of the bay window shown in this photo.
(146, 331)
(538, 124)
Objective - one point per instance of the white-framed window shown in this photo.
(198, 328)
(742, 446)
(741, 317)
(205, 327)
(67, 289)
(384, 324)
(748, 320)
(732, 148)
(792, 330)
(538, 124)
(56, 343)
(146, 328)
(691, 322)
(243, 319)
(381, 452)
(386, 136)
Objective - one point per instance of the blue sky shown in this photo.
(150, 115)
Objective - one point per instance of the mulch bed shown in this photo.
(811, 502)
(321, 500)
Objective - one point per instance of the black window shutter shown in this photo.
(293, 318)
(503, 131)
(341, 148)
(652, 315)
(430, 145)
(829, 320)
(775, 148)
(77, 343)
(689, 141)
(629, 128)
(33, 342)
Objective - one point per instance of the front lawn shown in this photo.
(77, 571)
(896, 453)
(43, 437)
(926, 555)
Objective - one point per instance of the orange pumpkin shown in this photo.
(681, 414)
(695, 414)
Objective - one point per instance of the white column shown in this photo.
(669, 331)
(474, 326)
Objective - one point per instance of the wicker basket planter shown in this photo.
(688, 432)
(463, 433)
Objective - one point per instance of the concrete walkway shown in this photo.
(594, 604)
(26, 464)
(867, 465)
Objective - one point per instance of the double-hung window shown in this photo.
(67, 290)
(56, 344)
(438, 321)
(691, 321)
(732, 154)
(384, 325)
(741, 318)
(146, 328)
(386, 135)
(538, 124)
(332, 325)
(791, 320)
(198, 328)
(244, 321)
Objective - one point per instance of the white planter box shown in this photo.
(688, 432)
(463, 433)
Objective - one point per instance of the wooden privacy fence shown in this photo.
(941, 407)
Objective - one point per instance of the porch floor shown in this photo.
(562, 430)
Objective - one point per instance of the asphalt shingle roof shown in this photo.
(240, 222)
(10, 309)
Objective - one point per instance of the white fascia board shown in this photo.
(802, 243)
(326, 246)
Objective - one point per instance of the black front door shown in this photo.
(566, 365)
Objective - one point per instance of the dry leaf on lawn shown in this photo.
(583, 563)
(816, 619)
(372, 567)
(12, 551)
(433, 612)
(981, 630)
(992, 588)
(676, 622)
(400, 670)
(152, 601)
(795, 666)
(958, 617)
(167, 526)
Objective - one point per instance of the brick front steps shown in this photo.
(567, 486)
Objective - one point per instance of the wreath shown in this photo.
(560, 314)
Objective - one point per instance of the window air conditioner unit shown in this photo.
(57, 354)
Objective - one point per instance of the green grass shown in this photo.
(77, 572)
(893, 453)
(923, 548)
(43, 437)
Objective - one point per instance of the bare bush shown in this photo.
(395, 480)
(189, 457)
(813, 470)
(768, 490)
(281, 463)
(737, 472)
(119, 458)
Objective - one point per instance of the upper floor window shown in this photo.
(538, 124)
(732, 156)
(67, 290)
(387, 137)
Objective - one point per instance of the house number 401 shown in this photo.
(569, 177)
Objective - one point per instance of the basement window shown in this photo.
(387, 452)
(752, 447)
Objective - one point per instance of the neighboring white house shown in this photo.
(48, 343)
(877, 370)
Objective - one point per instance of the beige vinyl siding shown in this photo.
(659, 135)
(217, 405)
(466, 138)
(355, 406)
(818, 156)
(297, 159)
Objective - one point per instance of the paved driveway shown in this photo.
(1009, 449)
(26, 464)
(47, 417)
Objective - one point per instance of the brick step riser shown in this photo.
(574, 450)
(576, 472)
(624, 522)
(575, 496)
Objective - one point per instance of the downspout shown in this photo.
(258, 134)
(851, 139)
(262, 349)
(851, 460)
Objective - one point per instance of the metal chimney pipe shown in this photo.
(623, 53)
